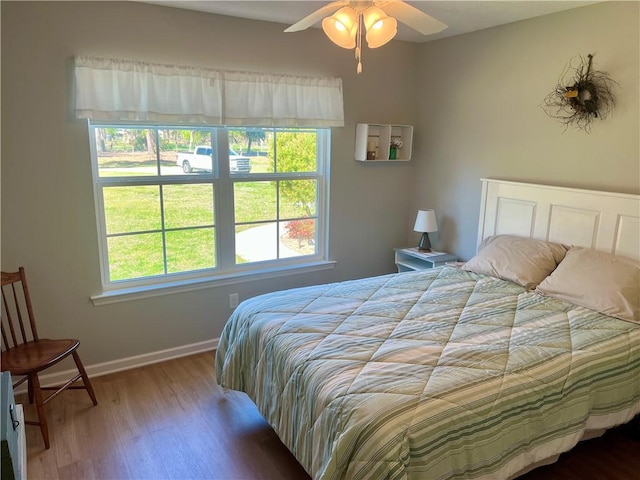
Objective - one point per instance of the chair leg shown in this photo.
(42, 418)
(30, 391)
(85, 377)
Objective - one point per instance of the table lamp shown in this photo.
(425, 223)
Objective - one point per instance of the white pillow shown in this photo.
(522, 260)
(603, 282)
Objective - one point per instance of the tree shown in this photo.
(301, 230)
(100, 141)
(254, 135)
(237, 138)
(142, 140)
(296, 152)
(150, 141)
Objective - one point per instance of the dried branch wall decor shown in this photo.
(581, 95)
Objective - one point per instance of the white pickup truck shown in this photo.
(201, 159)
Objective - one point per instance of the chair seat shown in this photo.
(36, 355)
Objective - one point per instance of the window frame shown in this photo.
(226, 270)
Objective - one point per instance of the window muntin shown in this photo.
(159, 221)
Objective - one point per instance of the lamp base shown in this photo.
(425, 243)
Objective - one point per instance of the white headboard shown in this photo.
(605, 221)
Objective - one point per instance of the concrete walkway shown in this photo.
(260, 243)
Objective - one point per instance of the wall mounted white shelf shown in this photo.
(374, 142)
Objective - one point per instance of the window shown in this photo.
(178, 203)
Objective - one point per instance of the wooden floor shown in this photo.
(171, 420)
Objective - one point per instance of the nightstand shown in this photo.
(410, 259)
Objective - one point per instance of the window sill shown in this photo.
(148, 291)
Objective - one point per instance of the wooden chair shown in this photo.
(26, 355)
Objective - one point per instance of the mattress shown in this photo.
(438, 374)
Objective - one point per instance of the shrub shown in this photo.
(301, 230)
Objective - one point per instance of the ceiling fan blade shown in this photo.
(316, 16)
(412, 17)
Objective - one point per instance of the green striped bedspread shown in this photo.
(428, 375)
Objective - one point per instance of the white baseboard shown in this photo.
(114, 366)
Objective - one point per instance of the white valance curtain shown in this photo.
(123, 90)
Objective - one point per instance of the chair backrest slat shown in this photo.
(5, 340)
(19, 312)
(27, 299)
(8, 319)
(15, 300)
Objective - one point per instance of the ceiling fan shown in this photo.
(345, 21)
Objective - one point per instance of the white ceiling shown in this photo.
(462, 16)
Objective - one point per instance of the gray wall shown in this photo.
(480, 114)
(48, 215)
(474, 100)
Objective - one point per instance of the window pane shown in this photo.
(298, 238)
(297, 198)
(190, 250)
(188, 205)
(254, 201)
(295, 151)
(132, 209)
(126, 152)
(248, 150)
(135, 256)
(187, 151)
(257, 243)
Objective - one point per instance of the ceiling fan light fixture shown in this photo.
(358, 18)
(341, 27)
(379, 26)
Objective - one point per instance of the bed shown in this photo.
(484, 370)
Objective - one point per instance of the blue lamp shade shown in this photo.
(425, 222)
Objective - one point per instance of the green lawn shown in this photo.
(188, 219)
